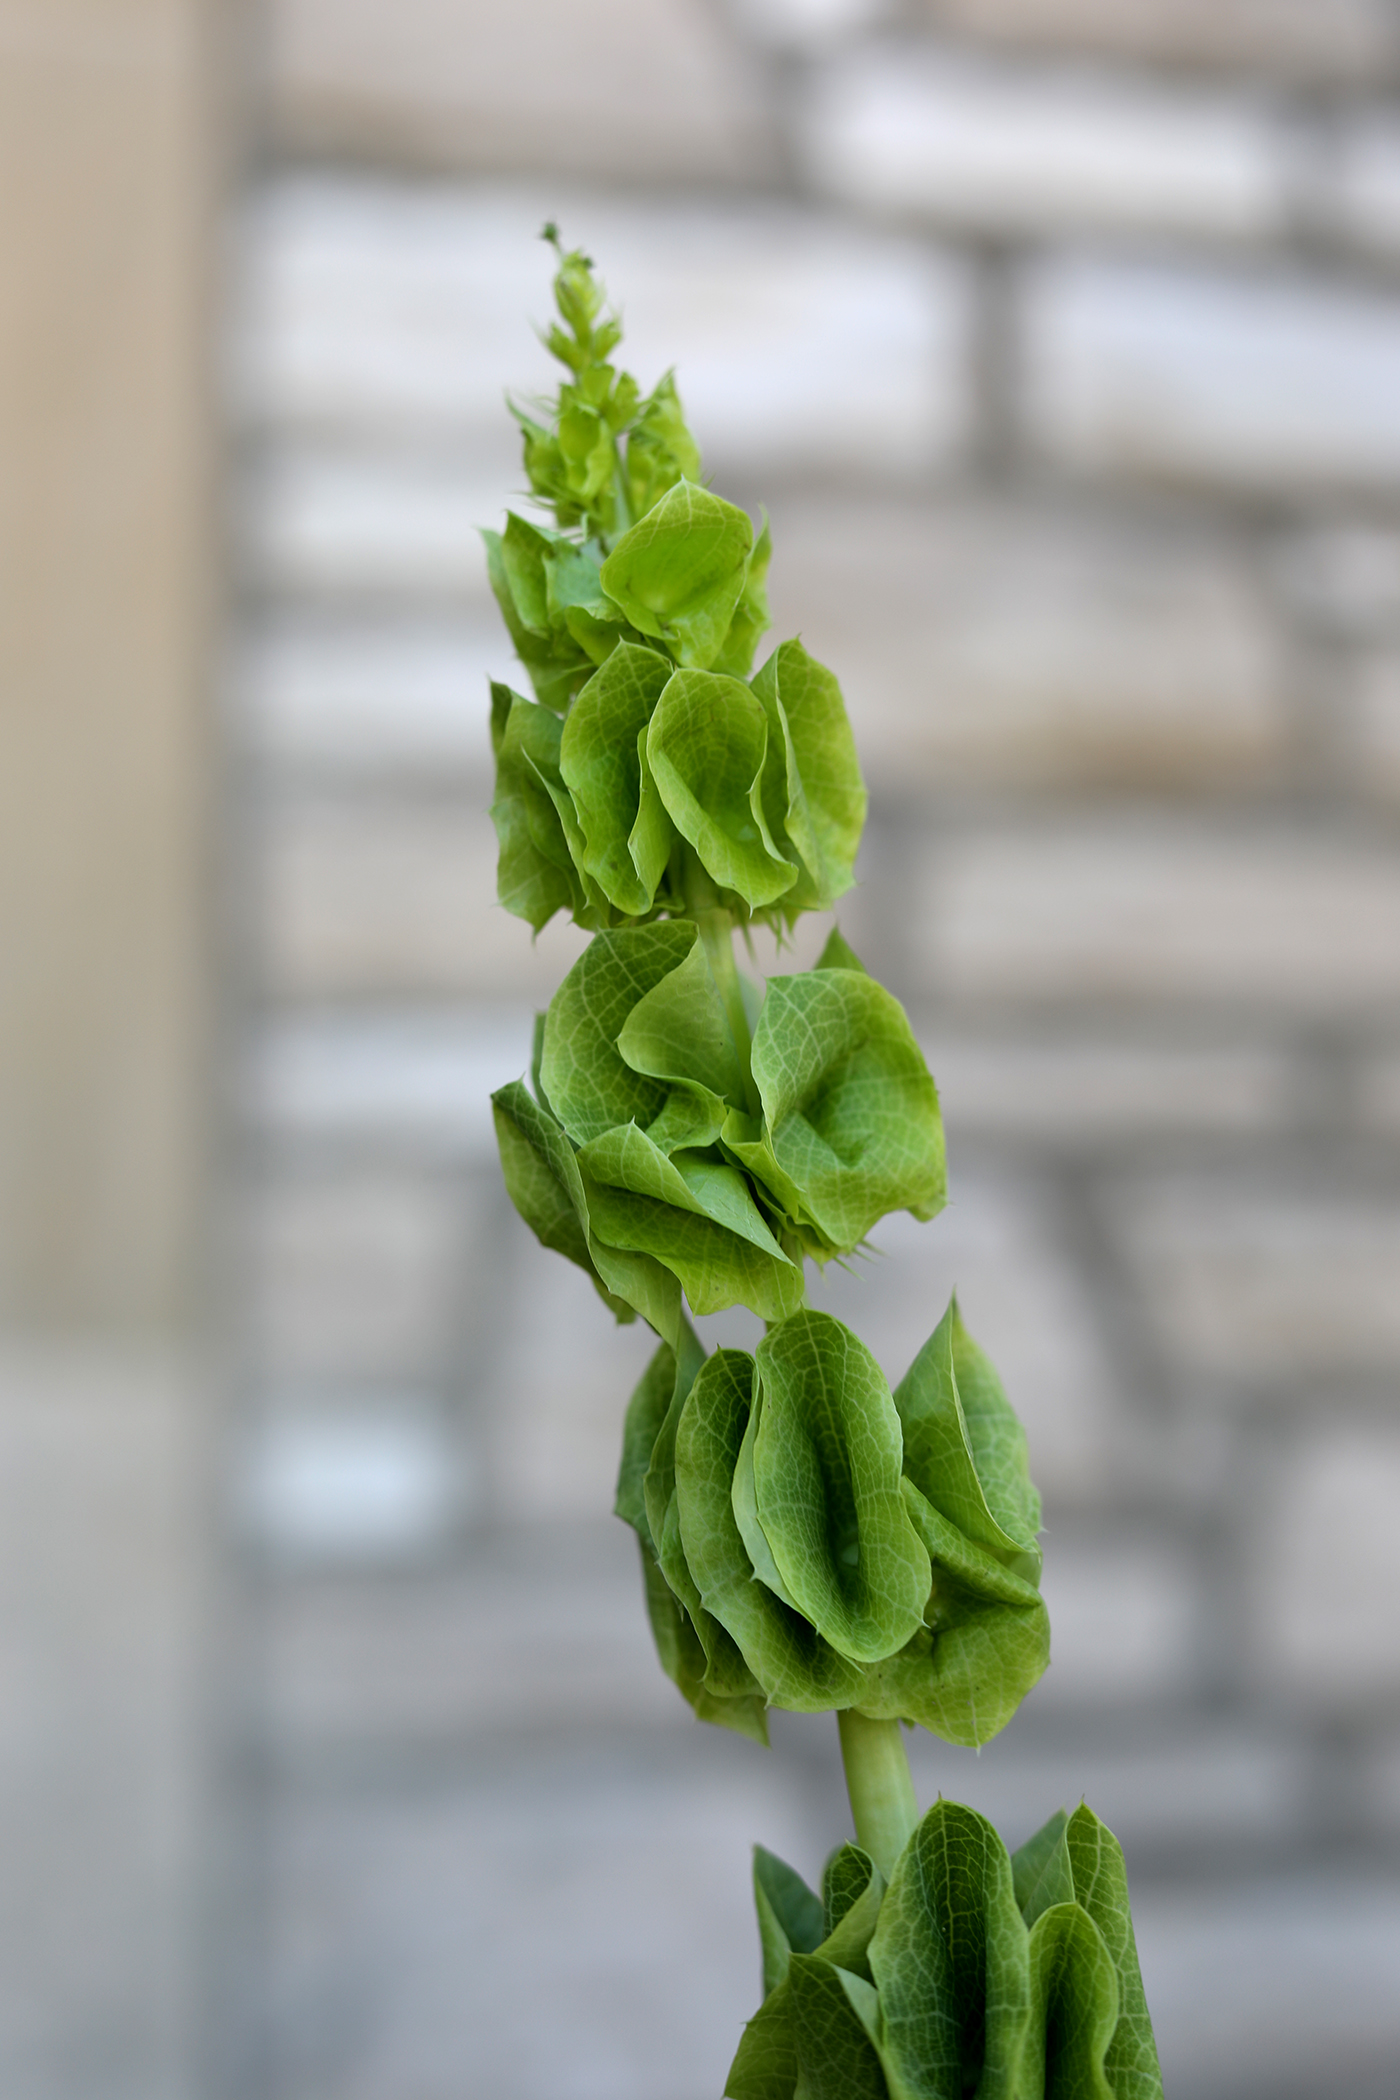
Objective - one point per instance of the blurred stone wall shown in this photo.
(1062, 340)
(112, 141)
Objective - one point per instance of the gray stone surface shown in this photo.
(631, 89)
(1077, 425)
(1346, 40)
(100, 1796)
(1130, 907)
(1020, 150)
(1184, 374)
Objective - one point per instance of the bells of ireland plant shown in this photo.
(813, 1536)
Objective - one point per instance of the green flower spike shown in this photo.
(810, 1538)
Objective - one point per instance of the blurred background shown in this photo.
(1062, 340)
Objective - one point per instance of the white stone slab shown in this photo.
(1185, 374)
(397, 898)
(1323, 1587)
(1116, 908)
(641, 89)
(364, 698)
(398, 308)
(415, 1081)
(987, 643)
(1346, 40)
(912, 128)
(1080, 1089)
(1258, 1283)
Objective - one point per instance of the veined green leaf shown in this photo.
(988, 1641)
(590, 1083)
(679, 573)
(544, 1184)
(600, 760)
(660, 449)
(534, 874)
(835, 2057)
(851, 1113)
(1041, 1869)
(837, 954)
(1074, 1989)
(950, 1958)
(792, 1662)
(826, 1465)
(705, 748)
(646, 1411)
(751, 615)
(679, 1030)
(700, 1223)
(818, 803)
(556, 663)
(1101, 1887)
(964, 1448)
(683, 1658)
(765, 2067)
(790, 1916)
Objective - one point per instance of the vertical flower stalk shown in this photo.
(811, 1537)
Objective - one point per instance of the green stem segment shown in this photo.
(717, 932)
(878, 1781)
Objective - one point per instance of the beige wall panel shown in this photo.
(647, 89)
(103, 557)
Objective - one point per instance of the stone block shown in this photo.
(356, 1274)
(406, 312)
(1123, 1619)
(628, 90)
(1000, 1246)
(1371, 725)
(1277, 1984)
(411, 1082)
(1260, 1285)
(374, 524)
(371, 699)
(544, 1928)
(1343, 579)
(1188, 375)
(981, 643)
(553, 1402)
(1127, 910)
(396, 897)
(1323, 1592)
(1081, 1089)
(1034, 150)
(1362, 190)
(1171, 1784)
(537, 1627)
(102, 1577)
(1341, 40)
(1378, 1092)
(360, 1479)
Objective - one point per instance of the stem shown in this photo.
(878, 1781)
(717, 932)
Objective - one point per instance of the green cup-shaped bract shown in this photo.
(642, 1077)
(781, 1484)
(1012, 1976)
(757, 781)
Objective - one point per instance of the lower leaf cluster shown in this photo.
(973, 1973)
(812, 1541)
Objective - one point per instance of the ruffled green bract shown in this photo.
(799, 1531)
(972, 1973)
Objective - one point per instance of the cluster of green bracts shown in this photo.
(1014, 1978)
(811, 1539)
(815, 1542)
